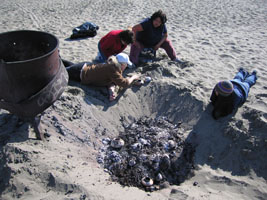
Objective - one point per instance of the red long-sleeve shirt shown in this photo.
(111, 44)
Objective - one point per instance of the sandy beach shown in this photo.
(216, 37)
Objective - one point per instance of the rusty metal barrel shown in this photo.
(32, 75)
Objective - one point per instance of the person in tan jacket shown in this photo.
(104, 74)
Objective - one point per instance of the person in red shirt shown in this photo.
(114, 43)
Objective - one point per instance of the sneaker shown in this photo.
(178, 61)
(254, 72)
(244, 72)
(241, 69)
(99, 58)
(113, 92)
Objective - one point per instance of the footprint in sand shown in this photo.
(226, 56)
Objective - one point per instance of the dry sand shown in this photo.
(216, 36)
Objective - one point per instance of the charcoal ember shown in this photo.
(153, 148)
(136, 146)
(100, 159)
(171, 145)
(151, 188)
(114, 156)
(143, 157)
(159, 177)
(105, 141)
(132, 162)
(144, 141)
(117, 143)
(165, 162)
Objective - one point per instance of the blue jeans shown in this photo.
(102, 57)
(245, 80)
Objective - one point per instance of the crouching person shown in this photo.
(104, 74)
(229, 95)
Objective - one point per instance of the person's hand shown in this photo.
(136, 77)
(138, 82)
(133, 78)
(156, 47)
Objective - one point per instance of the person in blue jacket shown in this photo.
(229, 95)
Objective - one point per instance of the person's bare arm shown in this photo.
(135, 29)
(133, 78)
(119, 80)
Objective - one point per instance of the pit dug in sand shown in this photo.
(148, 154)
(154, 150)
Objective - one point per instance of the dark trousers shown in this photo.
(74, 70)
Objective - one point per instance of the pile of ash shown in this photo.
(149, 153)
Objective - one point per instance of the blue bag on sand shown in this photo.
(87, 29)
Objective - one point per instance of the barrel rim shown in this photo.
(33, 59)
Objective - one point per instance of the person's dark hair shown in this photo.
(127, 36)
(224, 105)
(161, 15)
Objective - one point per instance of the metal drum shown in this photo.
(32, 75)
